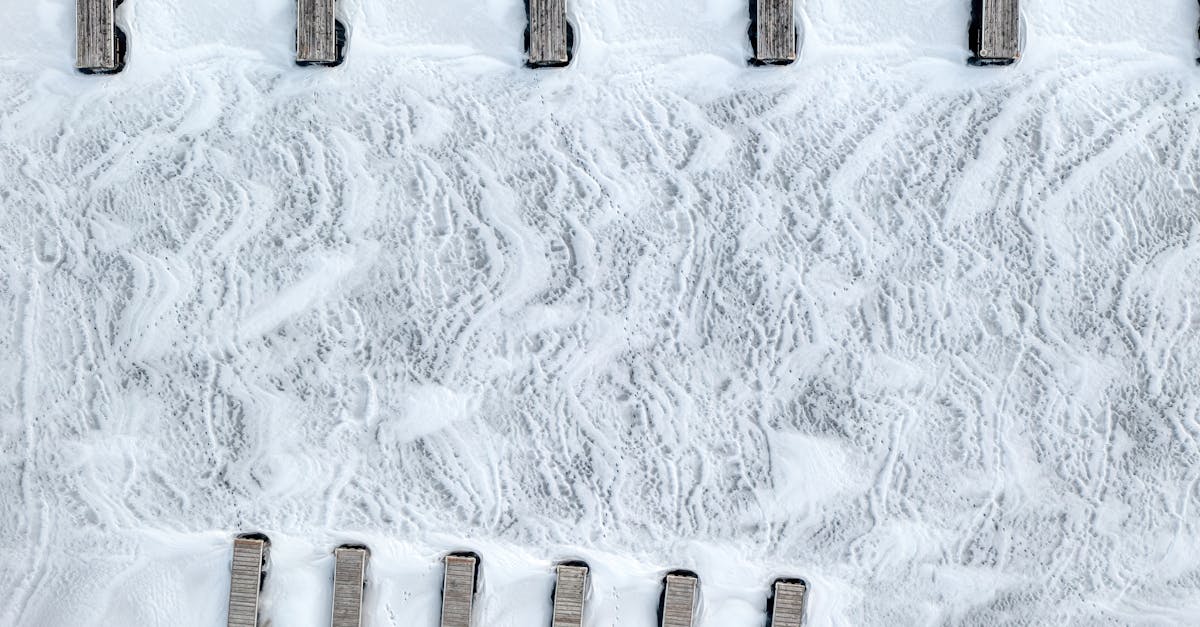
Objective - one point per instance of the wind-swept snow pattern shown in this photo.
(922, 334)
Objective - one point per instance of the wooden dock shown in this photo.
(458, 589)
(570, 588)
(548, 38)
(99, 44)
(678, 605)
(320, 38)
(245, 582)
(995, 32)
(773, 32)
(349, 572)
(787, 602)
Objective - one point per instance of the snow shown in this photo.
(923, 334)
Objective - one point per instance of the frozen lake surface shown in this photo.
(926, 335)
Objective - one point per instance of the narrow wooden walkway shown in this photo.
(320, 38)
(349, 571)
(773, 32)
(570, 588)
(458, 589)
(787, 602)
(995, 32)
(245, 582)
(99, 44)
(548, 38)
(680, 590)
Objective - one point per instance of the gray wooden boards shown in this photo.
(99, 44)
(787, 602)
(245, 582)
(570, 588)
(458, 589)
(320, 38)
(995, 32)
(773, 32)
(677, 608)
(349, 571)
(549, 37)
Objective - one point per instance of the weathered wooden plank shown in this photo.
(787, 602)
(773, 32)
(548, 38)
(349, 571)
(678, 605)
(246, 577)
(458, 589)
(320, 38)
(99, 44)
(995, 32)
(570, 588)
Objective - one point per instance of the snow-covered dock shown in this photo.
(773, 31)
(996, 32)
(787, 602)
(678, 608)
(99, 44)
(458, 589)
(350, 567)
(245, 582)
(317, 33)
(570, 588)
(548, 37)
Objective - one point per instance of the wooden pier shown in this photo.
(458, 589)
(787, 602)
(349, 572)
(570, 588)
(995, 32)
(320, 38)
(773, 32)
(99, 44)
(549, 37)
(245, 582)
(678, 605)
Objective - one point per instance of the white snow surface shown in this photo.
(923, 334)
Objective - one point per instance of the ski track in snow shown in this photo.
(923, 334)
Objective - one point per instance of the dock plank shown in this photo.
(679, 600)
(773, 30)
(548, 33)
(350, 567)
(96, 38)
(245, 582)
(317, 33)
(996, 32)
(458, 590)
(787, 603)
(570, 588)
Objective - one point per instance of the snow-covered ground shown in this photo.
(924, 334)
